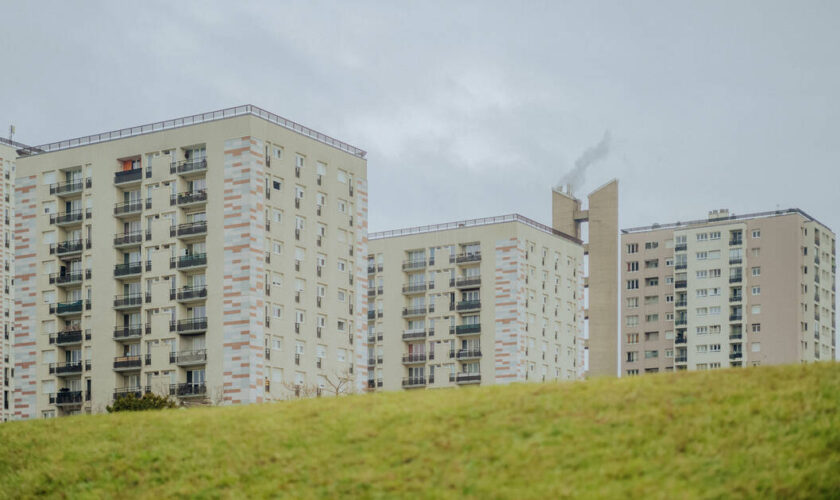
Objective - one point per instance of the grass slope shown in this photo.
(764, 432)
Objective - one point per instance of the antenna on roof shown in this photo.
(11, 132)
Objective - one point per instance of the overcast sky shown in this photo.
(470, 109)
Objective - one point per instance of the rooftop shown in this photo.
(186, 121)
(14, 144)
(486, 221)
(714, 220)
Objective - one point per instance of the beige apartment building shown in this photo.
(8, 156)
(727, 291)
(484, 301)
(217, 258)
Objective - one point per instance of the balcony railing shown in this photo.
(187, 166)
(680, 322)
(66, 278)
(681, 303)
(468, 305)
(67, 247)
(463, 258)
(414, 382)
(125, 176)
(186, 358)
(414, 358)
(72, 217)
(735, 260)
(736, 241)
(413, 311)
(468, 378)
(138, 391)
(682, 247)
(188, 293)
(681, 266)
(130, 362)
(66, 337)
(736, 298)
(736, 279)
(468, 329)
(66, 188)
(128, 207)
(128, 269)
(188, 229)
(414, 334)
(190, 325)
(467, 282)
(187, 390)
(65, 398)
(68, 368)
(735, 317)
(186, 261)
(680, 339)
(414, 264)
(61, 308)
(736, 355)
(128, 301)
(414, 288)
(130, 238)
(189, 197)
(681, 284)
(735, 336)
(681, 359)
(468, 354)
(128, 332)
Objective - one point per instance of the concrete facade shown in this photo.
(485, 301)
(727, 292)
(8, 156)
(216, 258)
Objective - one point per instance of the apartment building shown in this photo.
(217, 258)
(8, 156)
(483, 301)
(727, 291)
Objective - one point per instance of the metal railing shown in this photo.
(129, 238)
(467, 329)
(191, 293)
(188, 325)
(187, 390)
(188, 229)
(188, 197)
(128, 332)
(122, 176)
(128, 269)
(65, 278)
(187, 166)
(186, 121)
(129, 300)
(414, 381)
(61, 188)
(194, 357)
(184, 261)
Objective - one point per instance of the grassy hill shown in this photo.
(764, 432)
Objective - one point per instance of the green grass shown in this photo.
(761, 432)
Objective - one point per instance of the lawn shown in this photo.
(758, 432)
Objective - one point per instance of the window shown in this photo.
(651, 336)
(651, 300)
(714, 273)
(651, 245)
(702, 292)
(669, 299)
(651, 281)
(702, 348)
(756, 233)
(702, 236)
(632, 284)
(651, 318)
(756, 290)
(632, 266)
(714, 235)
(756, 327)
(632, 338)
(651, 354)
(652, 264)
(714, 347)
(669, 262)
(632, 320)
(669, 280)
(632, 302)
(669, 316)
(714, 310)
(669, 353)
(702, 255)
(633, 248)
(755, 252)
(701, 275)
(702, 330)
(702, 311)
(756, 271)
(714, 255)
(632, 356)
(633, 372)
(756, 309)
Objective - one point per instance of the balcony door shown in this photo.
(73, 356)
(195, 376)
(74, 384)
(197, 312)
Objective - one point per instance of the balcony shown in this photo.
(468, 378)
(413, 311)
(414, 358)
(735, 279)
(413, 264)
(187, 390)
(680, 322)
(735, 261)
(735, 336)
(188, 167)
(681, 284)
(468, 329)
(681, 303)
(67, 398)
(134, 238)
(411, 289)
(465, 354)
(66, 188)
(123, 177)
(465, 258)
(371, 269)
(189, 229)
(188, 261)
(128, 208)
(736, 355)
(67, 337)
(66, 279)
(680, 267)
(680, 339)
(681, 359)
(410, 382)
(682, 247)
(127, 363)
(65, 248)
(128, 270)
(66, 218)
(467, 282)
(66, 308)
(414, 334)
(129, 332)
(736, 298)
(189, 358)
(66, 369)
(188, 326)
(138, 391)
(189, 198)
(468, 305)
(191, 294)
(130, 301)
(735, 317)
(736, 241)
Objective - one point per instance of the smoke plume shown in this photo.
(596, 153)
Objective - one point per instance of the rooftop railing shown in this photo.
(471, 223)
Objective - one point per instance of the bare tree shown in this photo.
(340, 383)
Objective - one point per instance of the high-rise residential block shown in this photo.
(217, 258)
(8, 156)
(727, 291)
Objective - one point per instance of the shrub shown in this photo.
(149, 401)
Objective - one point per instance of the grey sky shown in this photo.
(470, 109)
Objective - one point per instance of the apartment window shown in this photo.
(702, 348)
(714, 347)
(632, 266)
(632, 284)
(756, 233)
(702, 292)
(669, 299)
(632, 356)
(632, 320)
(756, 290)
(702, 255)
(703, 274)
(714, 254)
(632, 302)
(633, 248)
(756, 309)
(651, 281)
(755, 252)
(651, 318)
(651, 300)
(633, 372)
(669, 353)
(714, 273)
(652, 264)
(651, 245)
(651, 354)
(756, 271)
(702, 311)
(755, 347)
(669, 316)
(714, 310)
(756, 327)
(669, 262)
(714, 292)
(669, 280)
(632, 338)
(702, 330)
(702, 236)
(651, 336)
